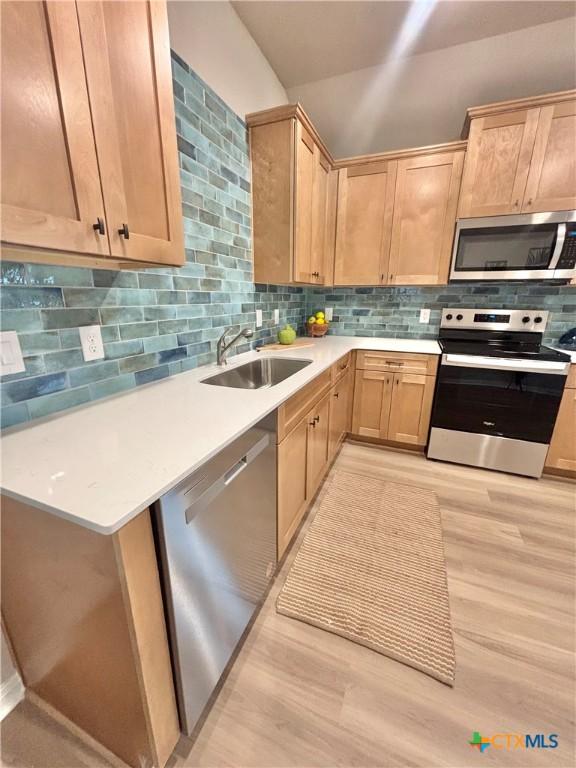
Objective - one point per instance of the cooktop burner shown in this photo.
(513, 334)
(519, 351)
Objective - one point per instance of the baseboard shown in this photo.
(11, 693)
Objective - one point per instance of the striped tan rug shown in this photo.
(371, 568)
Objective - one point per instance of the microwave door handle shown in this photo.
(560, 237)
(499, 364)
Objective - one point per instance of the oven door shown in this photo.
(498, 397)
(524, 247)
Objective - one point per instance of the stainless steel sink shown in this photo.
(265, 372)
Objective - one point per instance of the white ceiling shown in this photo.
(306, 40)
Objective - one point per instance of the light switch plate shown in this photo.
(424, 315)
(11, 360)
(91, 340)
(258, 318)
(276, 316)
(329, 313)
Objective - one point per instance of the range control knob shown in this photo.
(525, 319)
(537, 319)
(459, 317)
(449, 316)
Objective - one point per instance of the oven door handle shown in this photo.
(502, 364)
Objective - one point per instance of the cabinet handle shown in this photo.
(124, 231)
(315, 274)
(391, 276)
(529, 202)
(517, 203)
(336, 395)
(99, 226)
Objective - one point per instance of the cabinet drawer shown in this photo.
(293, 411)
(341, 367)
(401, 362)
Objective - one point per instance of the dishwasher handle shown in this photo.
(206, 495)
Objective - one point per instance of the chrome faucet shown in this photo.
(222, 347)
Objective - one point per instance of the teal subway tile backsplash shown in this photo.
(395, 311)
(160, 322)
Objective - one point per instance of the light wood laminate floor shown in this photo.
(298, 696)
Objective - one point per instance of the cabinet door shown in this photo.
(424, 217)
(372, 399)
(364, 223)
(319, 213)
(127, 57)
(551, 182)
(305, 173)
(497, 163)
(340, 402)
(292, 484)
(317, 455)
(411, 406)
(51, 195)
(562, 451)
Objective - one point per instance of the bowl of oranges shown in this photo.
(317, 325)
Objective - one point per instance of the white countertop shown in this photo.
(102, 464)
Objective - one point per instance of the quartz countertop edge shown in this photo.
(102, 464)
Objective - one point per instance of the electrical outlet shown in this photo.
(258, 318)
(424, 315)
(11, 360)
(91, 340)
(276, 316)
(329, 313)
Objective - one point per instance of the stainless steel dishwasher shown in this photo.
(217, 540)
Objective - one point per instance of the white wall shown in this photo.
(422, 99)
(212, 39)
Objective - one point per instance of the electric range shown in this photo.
(498, 390)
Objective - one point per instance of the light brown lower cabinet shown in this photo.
(392, 406)
(84, 616)
(302, 462)
(561, 456)
(340, 413)
(308, 446)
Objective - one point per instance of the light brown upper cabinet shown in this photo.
(89, 161)
(521, 157)
(396, 216)
(364, 222)
(290, 176)
(551, 184)
(425, 202)
(51, 196)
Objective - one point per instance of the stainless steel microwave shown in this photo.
(533, 246)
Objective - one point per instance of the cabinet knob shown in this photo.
(516, 203)
(315, 274)
(336, 395)
(124, 231)
(99, 226)
(529, 202)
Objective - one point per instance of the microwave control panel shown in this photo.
(567, 258)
